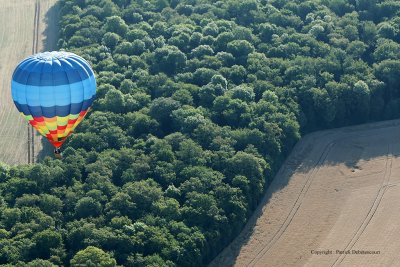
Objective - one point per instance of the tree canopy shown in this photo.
(198, 104)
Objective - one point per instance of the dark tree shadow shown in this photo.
(51, 32)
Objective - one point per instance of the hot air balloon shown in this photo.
(53, 91)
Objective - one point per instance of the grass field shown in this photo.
(17, 35)
(337, 191)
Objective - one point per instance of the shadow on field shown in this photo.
(51, 32)
(348, 146)
(47, 150)
(51, 35)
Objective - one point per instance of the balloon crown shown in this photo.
(49, 56)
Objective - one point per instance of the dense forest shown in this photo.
(198, 104)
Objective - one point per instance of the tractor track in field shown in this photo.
(27, 27)
(303, 192)
(354, 178)
(372, 210)
(296, 205)
(35, 49)
(16, 20)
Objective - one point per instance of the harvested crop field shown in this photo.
(27, 27)
(335, 199)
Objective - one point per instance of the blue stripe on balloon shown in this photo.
(50, 112)
(33, 71)
(49, 96)
(49, 79)
(82, 62)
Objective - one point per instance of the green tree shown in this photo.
(92, 257)
(116, 25)
(169, 59)
(110, 39)
(46, 241)
(240, 49)
(87, 207)
(114, 101)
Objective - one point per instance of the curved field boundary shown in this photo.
(251, 246)
(296, 205)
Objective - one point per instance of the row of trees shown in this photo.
(198, 104)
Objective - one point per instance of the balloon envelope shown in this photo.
(53, 91)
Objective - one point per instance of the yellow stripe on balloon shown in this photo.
(62, 121)
(73, 116)
(52, 126)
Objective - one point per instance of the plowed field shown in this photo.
(26, 27)
(334, 201)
